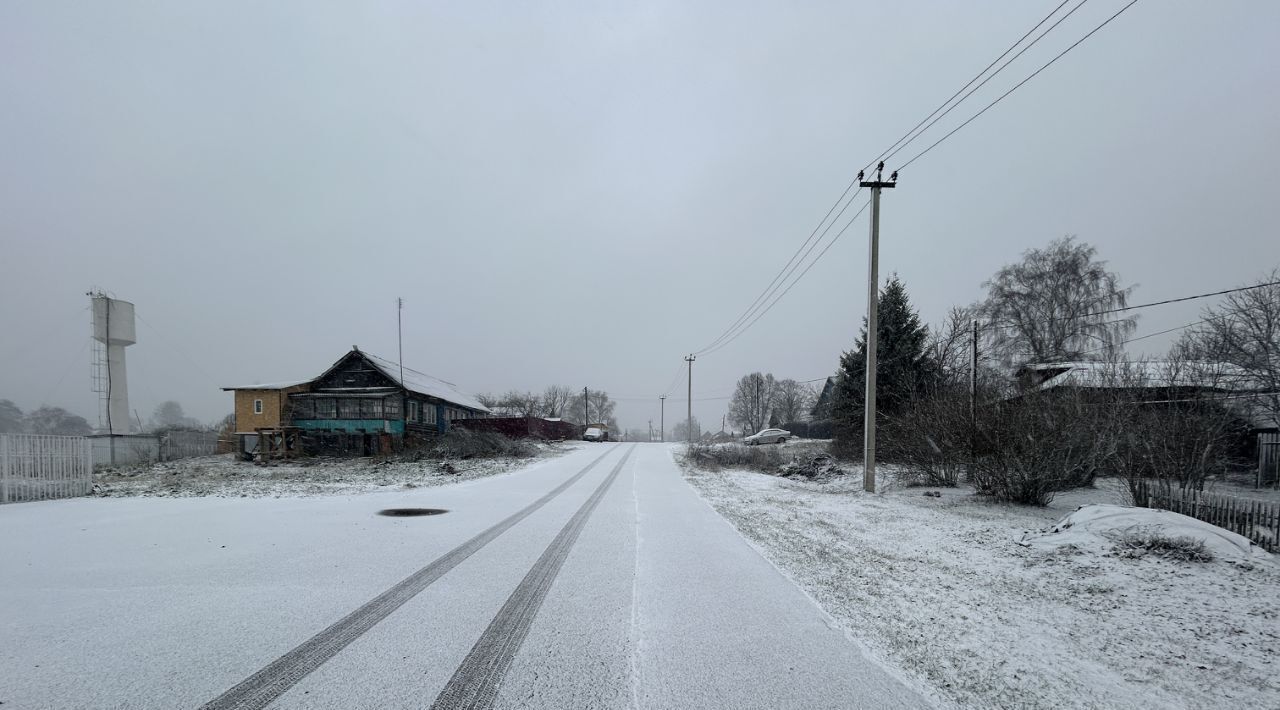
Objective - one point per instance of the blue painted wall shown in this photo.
(352, 426)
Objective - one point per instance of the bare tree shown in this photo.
(599, 409)
(10, 417)
(681, 430)
(949, 347)
(55, 420)
(752, 401)
(1244, 331)
(792, 401)
(1049, 307)
(555, 401)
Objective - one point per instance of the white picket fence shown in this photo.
(34, 467)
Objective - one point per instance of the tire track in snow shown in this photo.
(261, 688)
(475, 683)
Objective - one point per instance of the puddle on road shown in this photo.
(410, 512)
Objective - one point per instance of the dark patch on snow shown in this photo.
(411, 512)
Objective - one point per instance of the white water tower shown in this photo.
(113, 328)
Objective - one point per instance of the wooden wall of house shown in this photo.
(275, 405)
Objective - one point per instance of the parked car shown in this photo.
(768, 436)
(593, 434)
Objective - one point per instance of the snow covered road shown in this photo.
(595, 580)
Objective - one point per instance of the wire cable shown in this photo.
(898, 148)
(795, 281)
(1033, 75)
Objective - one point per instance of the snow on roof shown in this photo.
(1098, 527)
(1142, 373)
(268, 386)
(423, 383)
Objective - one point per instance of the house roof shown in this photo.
(1138, 374)
(268, 386)
(423, 383)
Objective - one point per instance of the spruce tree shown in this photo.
(903, 373)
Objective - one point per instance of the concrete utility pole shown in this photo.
(873, 320)
(689, 359)
(973, 395)
(662, 419)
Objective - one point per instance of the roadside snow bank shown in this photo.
(942, 588)
(225, 475)
(1098, 528)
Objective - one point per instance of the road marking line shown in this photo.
(475, 683)
(261, 688)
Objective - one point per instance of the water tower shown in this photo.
(113, 329)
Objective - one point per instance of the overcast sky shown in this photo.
(580, 193)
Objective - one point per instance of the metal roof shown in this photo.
(269, 386)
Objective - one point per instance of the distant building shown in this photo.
(359, 405)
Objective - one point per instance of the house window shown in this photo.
(257, 406)
(391, 408)
(302, 408)
(348, 408)
(326, 408)
(370, 409)
(415, 411)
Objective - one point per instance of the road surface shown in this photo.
(596, 580)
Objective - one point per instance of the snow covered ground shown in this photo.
(943, 587)
(225, 475)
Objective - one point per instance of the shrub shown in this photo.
(1031, 447)
(1140, 543)
(461, 443)
(716, 456)
(931, 441)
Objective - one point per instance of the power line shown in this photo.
(1124, 309)
(794, 282)
(1033, 75)
(809, 244)
(898, 148)
(792, 264)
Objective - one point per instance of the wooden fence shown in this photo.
(36, 467)
(1256, 520)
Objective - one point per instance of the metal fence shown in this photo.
(1257, 520)
(188, 444)
(34, 467)
(133, 449)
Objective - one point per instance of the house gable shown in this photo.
(353, 371)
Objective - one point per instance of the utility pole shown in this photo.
(400, 337)
(586, 408)
(662, 418)
(873, 323)
(973, 394)
(689, 359)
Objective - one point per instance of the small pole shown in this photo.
(689, 359)
(586, 408)
(873, 323)
(400, 337)
(662, 420)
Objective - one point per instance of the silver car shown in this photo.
(768, 436)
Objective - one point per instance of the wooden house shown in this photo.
(361, 404)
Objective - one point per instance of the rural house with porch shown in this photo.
(359, 406)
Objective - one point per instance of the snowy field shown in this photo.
(948, 588)
(225, 475)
